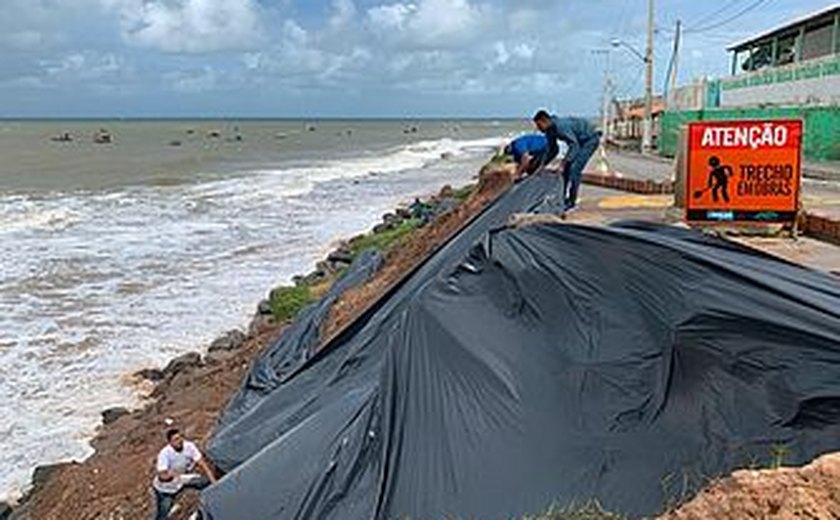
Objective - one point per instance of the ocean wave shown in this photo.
(28, 216)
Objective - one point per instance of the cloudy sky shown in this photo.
(348, 58)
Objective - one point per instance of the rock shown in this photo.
(391, 219)
(327, 267)
(42, 475)
(313, 278)
(5, 511)
(150, 374)
(217, 357)
(341, 256)
(403, 213)
(182, 363)
(264, 308)
(261, 323)
(446, 192)
(111, 415)
(231, 340)
(381, 228)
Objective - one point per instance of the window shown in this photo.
(758, 57)
(818, 39)
(787, 49)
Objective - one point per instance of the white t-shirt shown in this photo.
(181, 463)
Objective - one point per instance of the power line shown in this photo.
(712, 15)
(732, 18)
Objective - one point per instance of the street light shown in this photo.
(647, 59)
(621, 43)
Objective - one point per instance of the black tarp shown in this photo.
(548, 365)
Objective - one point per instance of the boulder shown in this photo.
(231, 340)
(261, 323)
(150, 374)
(313, 278)
(5, 511)
(341, 256)
(403, 213)
(111, 415)
(264, 308)
(391, 219)
(382, 228)
(217, 357)
(182, 364)
(42, 475)
(446, 192)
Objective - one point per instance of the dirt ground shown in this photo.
(811, 492)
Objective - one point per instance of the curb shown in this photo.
(642, 186)
(821, 228)
(812, 225)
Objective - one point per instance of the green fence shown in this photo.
(822, 126)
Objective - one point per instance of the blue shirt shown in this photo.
(532, 144)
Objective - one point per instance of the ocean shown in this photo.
(116, 257)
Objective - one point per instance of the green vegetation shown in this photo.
(591, 511)
(384, 240)
(464, 193)
(778, 453)
(286, 302)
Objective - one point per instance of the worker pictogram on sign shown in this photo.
(743, 171)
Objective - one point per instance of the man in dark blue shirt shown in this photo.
(529, 152)
(582, 140)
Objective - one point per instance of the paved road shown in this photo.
(818, 196)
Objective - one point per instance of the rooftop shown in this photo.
(832, 8)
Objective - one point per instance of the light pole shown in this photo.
(647, 58)
(603, 165)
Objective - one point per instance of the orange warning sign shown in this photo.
(743, 171)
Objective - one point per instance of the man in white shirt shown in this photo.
(174, 472)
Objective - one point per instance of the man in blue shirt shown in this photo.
(529, 152)
(581, 138)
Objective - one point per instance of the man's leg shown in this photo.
(576, 169)
(163, 505)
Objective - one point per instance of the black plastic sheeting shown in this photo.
(549, 365)
(298, 342)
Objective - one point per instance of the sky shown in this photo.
(352, 58)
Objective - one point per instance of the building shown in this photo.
(626, 120)
(789, 71)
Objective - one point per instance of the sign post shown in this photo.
(746, 172)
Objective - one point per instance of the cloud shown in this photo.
(432, 23)
(204, 80)
(189, 26)
(84, 66)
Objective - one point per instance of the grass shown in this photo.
(591, 511)
(286, 302)
(463, 193)
(384, 240)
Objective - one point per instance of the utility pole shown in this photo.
(647, 124)
(676, 59)
(602, 164)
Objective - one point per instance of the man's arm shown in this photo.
(522, 166)
(572, 142)
(552, 136)
(163, 472)
(207, 470)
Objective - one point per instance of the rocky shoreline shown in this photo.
(234, 348)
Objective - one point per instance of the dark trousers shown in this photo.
(573, 171)
(165, 501)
